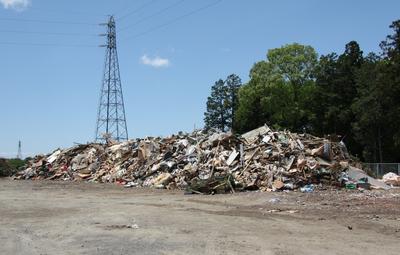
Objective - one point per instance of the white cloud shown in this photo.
(155, 62)
(18, 5)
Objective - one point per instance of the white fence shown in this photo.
(380, 169)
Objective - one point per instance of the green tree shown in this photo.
(377, 107)
(233, 83)
(222, 103)
(391, 46)
(346, 95)
(391, 54)
(250, 113)
(368, 109)
(295, 63)
(336, 89)
(216, 115)
(323, 104)
(278, 88)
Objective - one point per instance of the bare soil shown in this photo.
(40, 217)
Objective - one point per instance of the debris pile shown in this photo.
(202, 162)
(391, 179)
(355, 178)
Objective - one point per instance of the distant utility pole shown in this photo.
(19, 155)
(111, 121)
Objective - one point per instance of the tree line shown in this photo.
(352, 97)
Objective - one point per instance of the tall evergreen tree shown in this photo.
(233, 83)
(391, 46)
(377, 107)
(222, 103)
(335, 93)
(368, 108)
(323, 104)
(391, 53)
(217, 114)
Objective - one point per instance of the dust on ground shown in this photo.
(41, 217)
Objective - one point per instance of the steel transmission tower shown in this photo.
(19, 155)
(111, 121)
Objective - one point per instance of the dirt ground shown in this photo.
(38, 217)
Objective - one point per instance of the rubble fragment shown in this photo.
(391, 179)
(359, 175)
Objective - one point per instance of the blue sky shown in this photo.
(51, 72)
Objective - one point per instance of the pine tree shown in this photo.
(217, 113)
(233, 83)
(336, 91)
(222, 103)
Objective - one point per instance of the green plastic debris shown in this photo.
(351, 186)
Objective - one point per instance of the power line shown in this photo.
(65, 11)
(154, 14)
(45, 33)
(117, 12)
(48, 21)
(174, 20)
(137, 9)
(48, 44)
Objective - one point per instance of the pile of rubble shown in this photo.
(202, 162)
(391, 179)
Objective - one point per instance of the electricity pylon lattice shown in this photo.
(111, 121)
(19, 155)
